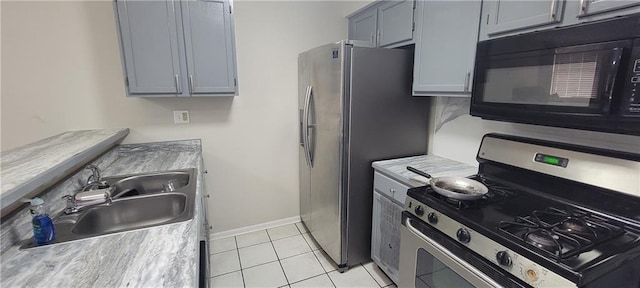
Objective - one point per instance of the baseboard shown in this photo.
(252, 228)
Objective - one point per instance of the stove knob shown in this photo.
(463, 235)
(433, 218)
(503, 258)
(419, 210)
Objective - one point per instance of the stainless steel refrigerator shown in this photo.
(355, 107)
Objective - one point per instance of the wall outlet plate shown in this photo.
(181, 117)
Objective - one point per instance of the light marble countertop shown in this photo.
(28, 168)
(162, 256)
(435, 165)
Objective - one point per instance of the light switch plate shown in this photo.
(181, 117)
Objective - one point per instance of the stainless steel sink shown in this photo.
(150, 206)
(131, 214)
(133, 185)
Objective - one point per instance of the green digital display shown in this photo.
(551, 160)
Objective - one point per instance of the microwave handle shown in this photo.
(609, 86)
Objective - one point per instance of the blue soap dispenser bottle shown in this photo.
(43, 231)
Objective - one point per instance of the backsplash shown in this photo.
(458, 134)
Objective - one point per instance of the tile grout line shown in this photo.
(305, 279)
(279, 263)
(374, 278)
(325, 270)
(310, 248)
(332, 283)
(269, 262)
(239, 262)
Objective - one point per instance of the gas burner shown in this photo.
(561, 233)
(543, 239)
(577, 226)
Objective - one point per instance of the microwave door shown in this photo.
(568, 80)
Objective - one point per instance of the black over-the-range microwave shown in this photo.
(585, 76)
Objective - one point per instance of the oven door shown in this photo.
(436, 261)
(573, 87)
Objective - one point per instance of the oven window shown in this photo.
(431, 273)
(555, 79)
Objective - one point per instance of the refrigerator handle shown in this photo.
(310, 126)
(301, 122)
(305, 122)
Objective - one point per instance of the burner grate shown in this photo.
(561, 234)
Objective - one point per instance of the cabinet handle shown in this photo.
(393, 191)
(373, 39)
(379, 37)
(552, 12)
(583, 7)
(191, 84)
(467, 79)
(177, 84)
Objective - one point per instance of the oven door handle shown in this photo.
(609, 86)
(453, 257)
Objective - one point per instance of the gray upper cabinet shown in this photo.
(395, 22)
(508, 15)
(177, 48)
(502, 18)
(208, 46)
(590, 7)
(364, 26)
(150, 44)
(384, 23)
(447, 34)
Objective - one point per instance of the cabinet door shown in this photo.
(445, 47)
(588, 7)
(149, 35)
(510, 15)
(395, 22)
(209, 47)
(363, 26)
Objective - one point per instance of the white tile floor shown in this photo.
(284, 256)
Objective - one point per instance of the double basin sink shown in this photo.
(138, 201)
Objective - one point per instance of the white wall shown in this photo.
(66, 74)
(460, 138)
(352, 6)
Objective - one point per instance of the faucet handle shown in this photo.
(95, 173)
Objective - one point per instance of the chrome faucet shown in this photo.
(86, 199)
(94, 181)
(95, 192)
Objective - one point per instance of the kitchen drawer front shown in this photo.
(390, 187)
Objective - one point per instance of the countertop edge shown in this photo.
(389, 168)
(57, 172)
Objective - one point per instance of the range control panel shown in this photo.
(633, 105)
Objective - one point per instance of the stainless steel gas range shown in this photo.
(556, 215)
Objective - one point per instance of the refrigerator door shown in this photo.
(326, 116)
(304, 75)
